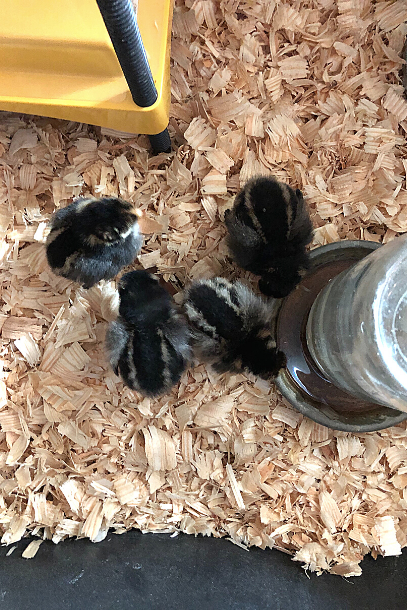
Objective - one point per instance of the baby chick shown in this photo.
(268, 229)
(93, 239)
(231, 328)
(148, 344)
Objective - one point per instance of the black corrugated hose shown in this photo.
(121, 24)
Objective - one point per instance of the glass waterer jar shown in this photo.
(357, 327)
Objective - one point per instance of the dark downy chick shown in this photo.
(148, 344)
(231, 328)
(93, 239)
(269, 228)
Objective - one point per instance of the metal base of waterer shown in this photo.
(301, 382)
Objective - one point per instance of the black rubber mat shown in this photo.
(156, 572)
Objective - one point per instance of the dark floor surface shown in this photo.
(156, 572)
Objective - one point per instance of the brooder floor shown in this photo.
(308, 91)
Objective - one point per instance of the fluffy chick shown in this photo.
(148, 344)
(231, 328)
(93, 239)
(268, 230)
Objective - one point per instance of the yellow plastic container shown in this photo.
(57, 60)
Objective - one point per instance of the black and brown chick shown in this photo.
(269, 228)
(93, 239)
(231, 328)
(148, 344)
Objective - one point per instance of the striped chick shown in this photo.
(148, 344)
(231, 328)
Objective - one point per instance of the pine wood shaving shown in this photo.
(17, 327)
(199, 134)
(287, 415)
(92, 526)
(234, 486)
(386, 533)
(22, 139)
(219, 160)
(310, 93)
(330, 513)
(389, 15)
(396, 104)
(214, 414)
(18, 447)
(31, 549)
(293, 68)
(29, 349)
(160, 449)
(214, 183)
(219, 80)
(153, 225)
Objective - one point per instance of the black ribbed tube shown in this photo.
(124, 33)
(161, 142)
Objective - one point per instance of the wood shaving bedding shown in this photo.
(307, 91)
